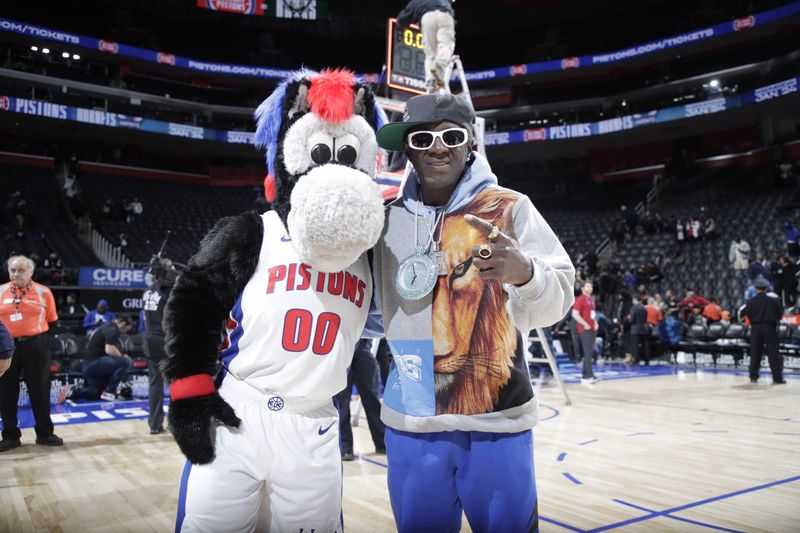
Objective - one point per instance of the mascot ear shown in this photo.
(296, 101)
(358, 105)
(365, 105)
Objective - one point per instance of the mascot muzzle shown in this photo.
(337, 214)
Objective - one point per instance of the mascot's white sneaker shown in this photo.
(337, 213)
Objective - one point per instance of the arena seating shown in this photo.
(731, 344)
(581, 230)
(189, 211)
(753, 212)
(47, 213)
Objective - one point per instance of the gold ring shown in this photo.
(495, 232)
(484, 251)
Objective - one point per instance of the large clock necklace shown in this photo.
(417, 274)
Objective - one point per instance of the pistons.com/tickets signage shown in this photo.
(318, 9)
(103, 277)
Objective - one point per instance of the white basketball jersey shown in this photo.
(293, 329)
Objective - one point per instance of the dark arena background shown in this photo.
(654, 137)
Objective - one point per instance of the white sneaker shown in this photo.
(589, 381)
(105, 395)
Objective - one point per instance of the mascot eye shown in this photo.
(321, 153)
(346, 155)
(347, 148)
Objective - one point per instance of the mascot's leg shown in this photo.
(305, 486)
(494, 460)
(228, 494)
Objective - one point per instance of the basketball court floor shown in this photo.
(651, 449)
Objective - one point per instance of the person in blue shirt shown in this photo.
(6, 348)
(97, 317)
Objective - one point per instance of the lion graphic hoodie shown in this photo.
(459, 352)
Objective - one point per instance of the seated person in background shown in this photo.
(709, 228)
(105, 366)
(97, 317)
(70, 307)
(691, 300)
(696, 317)
(673, 326)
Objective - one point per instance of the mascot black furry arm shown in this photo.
(193, 318)
(319, 132)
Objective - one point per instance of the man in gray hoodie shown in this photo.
(463, 271)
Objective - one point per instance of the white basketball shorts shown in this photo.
(280, 471)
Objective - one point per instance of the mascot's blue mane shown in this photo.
(269, 116)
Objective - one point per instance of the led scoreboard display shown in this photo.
(405, 61)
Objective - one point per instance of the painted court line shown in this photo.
(561, 524)
(654, 514)
(697, 409)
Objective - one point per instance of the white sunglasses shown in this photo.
(451, 138)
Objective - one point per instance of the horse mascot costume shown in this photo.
(261, 326)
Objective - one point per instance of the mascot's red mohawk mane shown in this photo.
(331, 95)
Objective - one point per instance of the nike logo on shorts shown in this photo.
(286, 238)
(323, 431)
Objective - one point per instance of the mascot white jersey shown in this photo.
(293, 330)
(292, 287)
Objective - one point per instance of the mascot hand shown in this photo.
(194, 405)
(190, 422)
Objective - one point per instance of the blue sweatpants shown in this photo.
(434, 476)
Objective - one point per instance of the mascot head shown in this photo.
(319, 132)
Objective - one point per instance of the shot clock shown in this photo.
(405, 61)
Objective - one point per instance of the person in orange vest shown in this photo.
(27, 309)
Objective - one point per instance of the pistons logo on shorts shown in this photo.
(275, 403)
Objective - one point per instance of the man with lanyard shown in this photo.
(463, 271)
(26, 309)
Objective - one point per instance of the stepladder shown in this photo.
(550, 359)
(455, 67)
